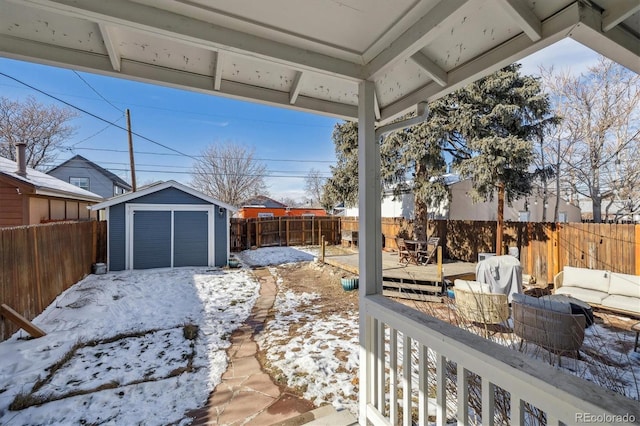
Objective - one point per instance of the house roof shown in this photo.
(111, 176)
(311, 55)
(159, 186)
(45, 184)
(263, 201)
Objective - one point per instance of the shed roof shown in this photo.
(44, 184)
(130, 196)
(111, 176)
(310, 55)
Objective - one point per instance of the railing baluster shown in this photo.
(441, 390)
(423, 386)
(517, 410)
(488, 402)
(374, 364)
(553, 421)
(380, 363)
(463, 395)
(406, 380)
(393, 376)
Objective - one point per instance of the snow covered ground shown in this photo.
(121, 347)
(128, 357)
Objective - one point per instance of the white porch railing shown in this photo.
(468, 379)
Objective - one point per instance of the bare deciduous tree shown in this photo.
(599, 136)
(44, 128)
(229, 173)
(314, 186)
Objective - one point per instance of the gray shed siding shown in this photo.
(98, 182)
(117, 237)
(151, 239)
(190, 228)
(190, 244)
(169, 196)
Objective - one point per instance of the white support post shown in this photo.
(369, 238)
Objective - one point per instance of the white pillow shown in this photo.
(591, 279)
(625, 285)
(474, 286)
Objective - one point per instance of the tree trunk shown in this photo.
(500, 220)
(421, 222)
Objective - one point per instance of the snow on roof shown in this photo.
(45, 184)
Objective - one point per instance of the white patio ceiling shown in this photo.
(311, 54)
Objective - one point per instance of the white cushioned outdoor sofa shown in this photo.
(605, 289)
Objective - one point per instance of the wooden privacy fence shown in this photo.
(283, 231)
(39, 262)
(544, 248)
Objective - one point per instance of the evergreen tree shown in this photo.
(484, 131)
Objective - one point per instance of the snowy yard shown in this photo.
(149, 346)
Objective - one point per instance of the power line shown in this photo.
(95, 91)
(198, 156)
(267, 174)
(97, 116)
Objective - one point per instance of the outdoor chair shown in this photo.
(477, 305)
(548, 324)
(403, 252)
(426, 255)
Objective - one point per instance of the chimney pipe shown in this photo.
(21, 158)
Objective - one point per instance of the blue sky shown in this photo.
(289, 143)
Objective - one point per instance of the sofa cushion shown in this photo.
(474, 286)
(586, 295)
(622, 302)
(591, 279)
(549, 305)
(625, 285)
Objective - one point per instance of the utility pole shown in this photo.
(133, 166)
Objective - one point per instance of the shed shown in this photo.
(166, 225)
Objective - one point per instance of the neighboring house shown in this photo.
(87, 175)
(262, 206)
(29, 197)
(462, 207)
(166, 225)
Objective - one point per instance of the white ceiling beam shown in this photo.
(554, 29)
(524, 17)
(416, 37)
(217, 71)
(201, 34)
(112, 50)
(43, 53)
(376, 105)
(616, 44)
(295, 88)
(618, 12)
(434, 72)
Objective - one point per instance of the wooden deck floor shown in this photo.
(417, 282)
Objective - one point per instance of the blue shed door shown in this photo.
(151, 239)
(190, 238)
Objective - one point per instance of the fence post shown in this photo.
(36, 261)
(287, 230)
(637, 246)
(280, 231)
(322, 248)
